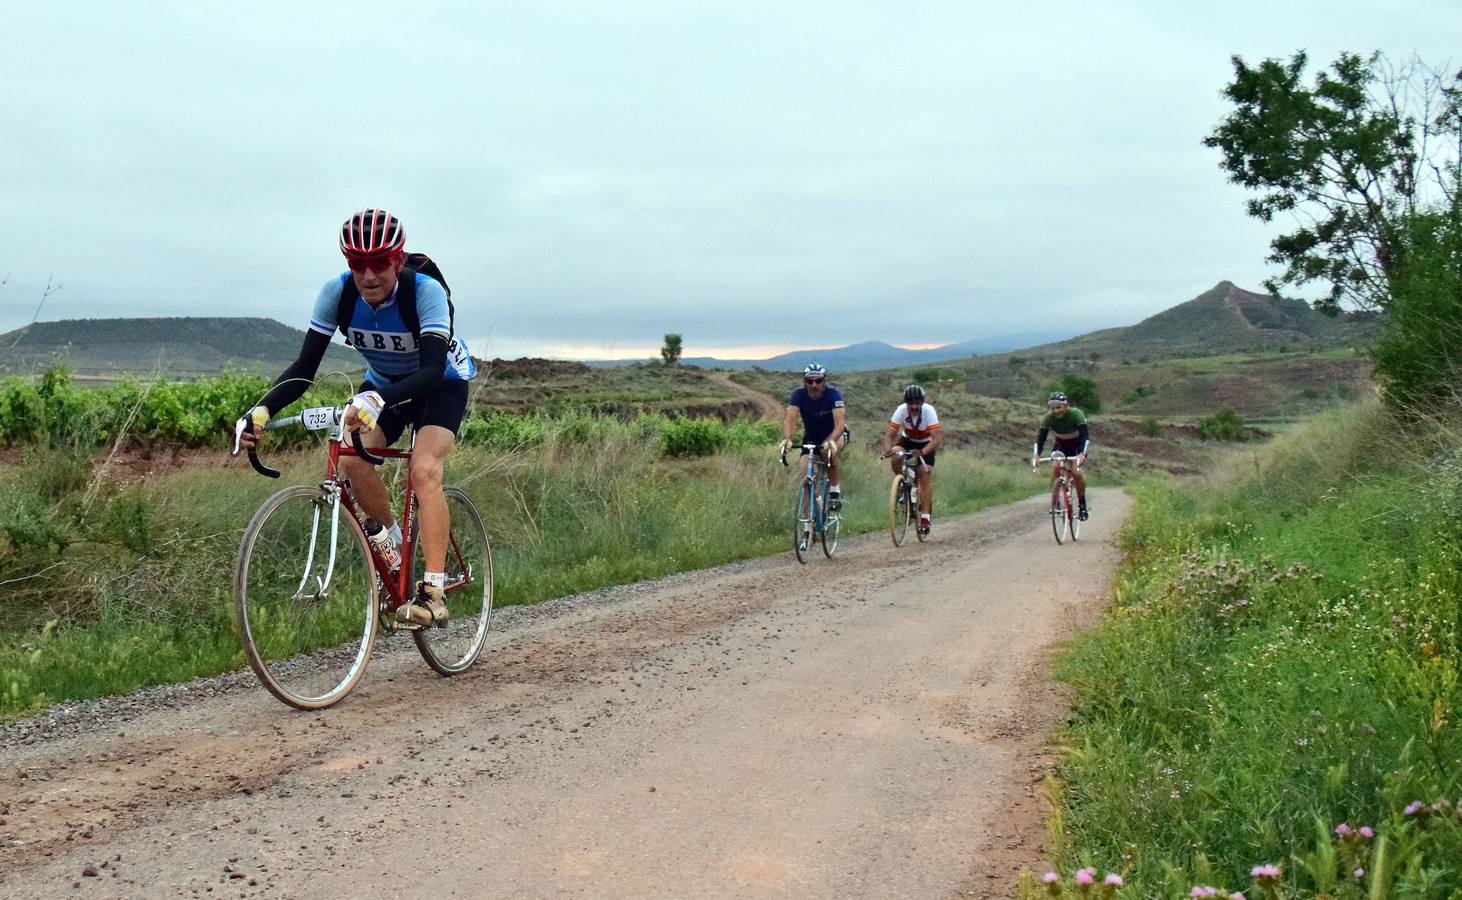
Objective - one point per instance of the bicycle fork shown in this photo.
(331, 491)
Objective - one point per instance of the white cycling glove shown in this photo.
(368, 406)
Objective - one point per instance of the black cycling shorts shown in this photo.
(910, 445)
(446, 407)
(1071, 448)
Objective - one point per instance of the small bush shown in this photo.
(1079, 389)
(1224, 425)
(692, 437)
(934, 375)
(1148, 427)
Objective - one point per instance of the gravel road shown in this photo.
(868, 726)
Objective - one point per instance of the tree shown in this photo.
(1352, 158)
(1079, 390)
(670, 353)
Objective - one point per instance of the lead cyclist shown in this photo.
(415, 377)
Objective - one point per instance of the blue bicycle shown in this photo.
(814, 520)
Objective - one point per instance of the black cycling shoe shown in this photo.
(834, 503)
(1081, 512)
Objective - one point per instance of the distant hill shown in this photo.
(180, 347)
(863, 356)
(1226, 319)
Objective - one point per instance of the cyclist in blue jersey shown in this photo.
(824, 422)
(415, 376)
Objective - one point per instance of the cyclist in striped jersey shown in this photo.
(915, 426)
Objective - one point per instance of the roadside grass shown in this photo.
(113, 585)
(1281, 659)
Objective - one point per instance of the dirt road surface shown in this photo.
(868, 726)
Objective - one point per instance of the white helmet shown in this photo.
(813, 370)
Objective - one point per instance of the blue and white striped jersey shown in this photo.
(381, 336)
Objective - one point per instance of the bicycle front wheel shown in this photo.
(1058, 515)
(898, 511)
(455, 646)
(802, 524)
(831, 525)
(305, 598)
(1073, 518)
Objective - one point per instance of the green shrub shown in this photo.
(934, 375)
(1224, 425)
(1079, 389)
(693, 437)
(1148, 427)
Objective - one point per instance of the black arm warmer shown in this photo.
(1041, 440)
(1085, 437)
(285, 390)
(427, 378)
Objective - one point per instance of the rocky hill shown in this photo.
(175, 347)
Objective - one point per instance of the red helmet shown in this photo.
(372, 232)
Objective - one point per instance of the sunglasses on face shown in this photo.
(370, 263)
(813, 380)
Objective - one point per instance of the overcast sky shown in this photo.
(755, 175)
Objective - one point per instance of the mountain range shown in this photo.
(1224, 319)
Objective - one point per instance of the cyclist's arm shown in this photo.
(789, 422)
(291, 385)
(1041, 441)
(936, 437)
(1085, 434)
(427, 378)
(890, 437)
(840, 421)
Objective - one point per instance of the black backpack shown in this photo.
(405, 296)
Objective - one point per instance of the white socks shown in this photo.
(436, 579)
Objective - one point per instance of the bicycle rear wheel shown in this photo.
(802, 524)
(898, 511)
(455, 646)
(1058, 514)
(305, 598)
(832, 523)
(1073, 518)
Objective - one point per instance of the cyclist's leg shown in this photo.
(428, 459)
(835, 464)
(365, 482)
(435, 433)
(926, 485)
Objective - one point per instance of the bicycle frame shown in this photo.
(1065, 469)
(398, 587)
(813, 480)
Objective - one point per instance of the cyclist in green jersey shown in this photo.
(1073, 438)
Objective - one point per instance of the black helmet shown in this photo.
(1056, 398)
(913, 394)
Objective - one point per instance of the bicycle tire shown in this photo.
(1073, 518)
(1058, 514)
(898, 511)
(802, 522)
(309, 651)
(452, 648)
(831, 525)
(913, 512)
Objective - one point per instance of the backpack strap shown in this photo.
(405, 302)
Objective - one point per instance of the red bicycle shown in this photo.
(1064, 519)
(310, 594)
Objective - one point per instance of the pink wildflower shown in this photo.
(1051, 878)
(1413, 808)
(1266, 872)
(1113, 879)
(1085, 876)
(1359, 874)
(1236, 895)
(1342, 829)
(1366, 832)
(1203, 890)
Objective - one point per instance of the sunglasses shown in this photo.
(378, 263)
(813, 380)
